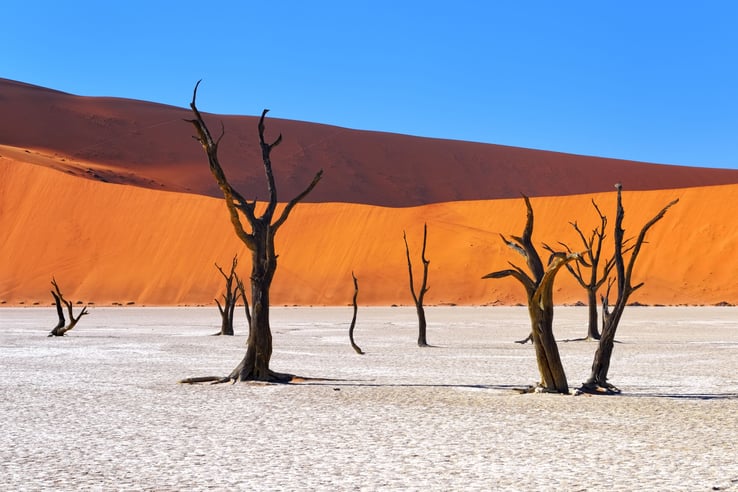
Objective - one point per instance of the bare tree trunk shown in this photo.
(60, 314)
(539, 289)
(260, 241)
(255, 364)
(593, 332)
(230, 297)
(420, 294)
(591, 258)
(601, 362)
(356, 348)
(542, 314)
(597, 382)
(61, 327)
(422, 326)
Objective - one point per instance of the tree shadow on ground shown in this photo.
(516, 388)
(370, 384)
(685, 396)
(584, 339)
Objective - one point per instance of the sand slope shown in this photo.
(147, 144)
(110, 243)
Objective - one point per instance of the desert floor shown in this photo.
(101, 408)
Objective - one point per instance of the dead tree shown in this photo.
(230, 297)
(591, 258)
(597, 382)
(260, 241)
(62, 327)
(539, 291)
(356, 348)
(420, 294)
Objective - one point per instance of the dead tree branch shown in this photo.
(419, 295)
(61, 327)
(353, 319)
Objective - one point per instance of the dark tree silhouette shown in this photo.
(260, 241)
(597, 382)
(591, 258)
(356, 348)
(62, 327)
(230, 297)
(419, 295)
(539, 290)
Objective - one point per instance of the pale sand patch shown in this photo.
(100, 408)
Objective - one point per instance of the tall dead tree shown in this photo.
(230, 297)
(597, 382)
(356, 348)
(539, 291)
(591, 258)
(260, 241)
(62, 327)
(419, 295)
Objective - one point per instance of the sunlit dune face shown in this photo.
(109, 243)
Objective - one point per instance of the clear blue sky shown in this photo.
(654, 81)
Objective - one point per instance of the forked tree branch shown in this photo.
(420, 293)
(234, 200)
(288, 208)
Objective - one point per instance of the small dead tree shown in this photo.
(419, 295)
(260, 241)
(356, 348)
(539, 291)
(62, 327)
(230, 297)
(597, 382)
(591, 258)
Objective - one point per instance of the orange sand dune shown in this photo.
(109, 243)
(147, 144)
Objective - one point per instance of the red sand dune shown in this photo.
(146, 144)
(127, 242)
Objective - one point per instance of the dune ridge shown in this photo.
(148, 144)
(108, 243)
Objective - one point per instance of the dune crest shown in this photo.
(148, 144)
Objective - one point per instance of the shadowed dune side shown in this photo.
(109, 243)
(148, 144)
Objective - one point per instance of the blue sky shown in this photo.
(654, 81)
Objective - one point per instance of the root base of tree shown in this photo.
(537, 389)
(525, 340)
(272, 377)
(606, 389)
(582, 339)
(205, 379)
(278, 378)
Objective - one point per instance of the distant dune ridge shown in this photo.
(115, 199)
